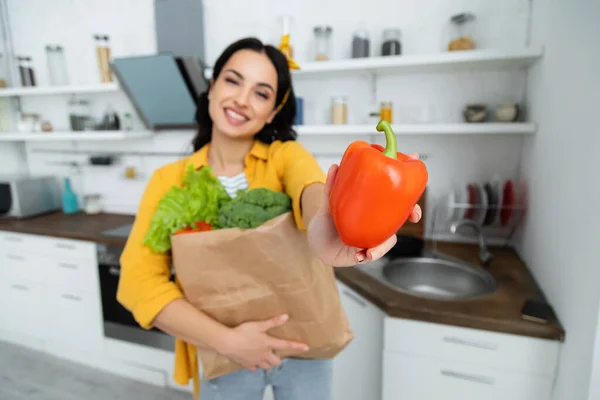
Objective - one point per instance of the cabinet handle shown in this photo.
(355, 298)
(71, 297)
(65, 246)
(468, 377)
(20, 287)
(471, 343)
(15, 257)
(69, 266)
(13, 239)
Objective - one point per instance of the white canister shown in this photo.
(93, 204)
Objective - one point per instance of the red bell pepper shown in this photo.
(375, 191)
(201, 226)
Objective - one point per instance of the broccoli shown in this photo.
(252, 208)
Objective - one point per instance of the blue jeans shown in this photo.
(295, 379)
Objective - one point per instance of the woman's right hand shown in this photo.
(250, 345)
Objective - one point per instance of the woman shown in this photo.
(245, 134)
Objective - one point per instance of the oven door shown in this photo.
(118, 321)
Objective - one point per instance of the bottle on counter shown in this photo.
(70, 204)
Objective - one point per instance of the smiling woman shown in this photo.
(248, 96)
(245, 135)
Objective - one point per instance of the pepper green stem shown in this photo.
(391, 146)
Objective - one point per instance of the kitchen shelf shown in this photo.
(59, 90)
(487, 128)
(436, 62)
(75, 136)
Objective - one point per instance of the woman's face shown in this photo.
(242, 98)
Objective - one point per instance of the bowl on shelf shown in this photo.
(475, 113)
(508, 112)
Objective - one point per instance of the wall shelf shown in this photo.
(436, 62)
(488, 128)
(56, 136)
(59, 90)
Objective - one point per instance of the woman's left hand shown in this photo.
(326, 242)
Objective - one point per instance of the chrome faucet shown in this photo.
(485, 257)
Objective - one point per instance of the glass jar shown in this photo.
(26, 71)
(322, 42)
(3, 72)
(92, 203)
(386, 111)
(29, 122)
(288, 49)
(462, 32)
(103, 57)
(57, 65)
(360, 44)
(79, 114)
(391, 45)
(339, 110)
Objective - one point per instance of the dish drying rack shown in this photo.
(498, 223)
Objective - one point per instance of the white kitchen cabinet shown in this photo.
(429, 378)
(428, 361)
(49, 291)
(23, 311)
(357, 369)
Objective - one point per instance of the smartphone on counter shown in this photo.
(537, 311)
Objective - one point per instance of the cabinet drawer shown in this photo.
(15, 242)
(23, 307)
(81, 275)
(22, 265)
(75, 314)
(423, 378)
(48, 246)
(472, 345)
(66, 248)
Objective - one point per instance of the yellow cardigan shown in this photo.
(144, 286)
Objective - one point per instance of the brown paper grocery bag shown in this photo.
(236, 275)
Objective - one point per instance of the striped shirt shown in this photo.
(234, 183)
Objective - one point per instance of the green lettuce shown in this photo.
(198, 199)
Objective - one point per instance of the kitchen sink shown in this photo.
(121, 231)
(434, 277)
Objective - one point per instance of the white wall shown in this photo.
(561, 164)
(452, 160)
(594, 392)
(12, 158)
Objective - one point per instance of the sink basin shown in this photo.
(434, 278)
(121, 231)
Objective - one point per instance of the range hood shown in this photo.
(164, 87)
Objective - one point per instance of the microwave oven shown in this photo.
(23, 196)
